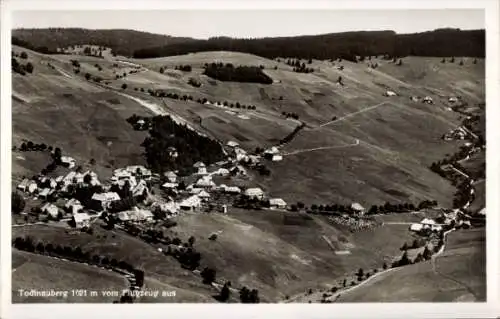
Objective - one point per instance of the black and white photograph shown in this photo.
(247, 156)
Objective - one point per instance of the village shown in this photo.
(136, 195)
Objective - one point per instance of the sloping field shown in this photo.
(123, 247)
(459, 274)
(31, 271)
(286, 253)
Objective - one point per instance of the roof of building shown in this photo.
(357, 206)
(81, 217)
(44, 192)
(277, 202)
(199, 164)
(169, 185)
(24, 183)
(71, 202)
(67, 159)
(254, 191)
(416, 227)
(232, 144)
(482, 211)
(104, 197)
(190, 201)
(427, 221)
(203, 194)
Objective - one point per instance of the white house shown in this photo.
(232, 189)
(140, 188)
(202, 169)
(23, 185)
(73, 205)
(254, 193)
(136, 214)
(232, 144)
(390, 93)
(453, 99)
(172, 152)
(169, 185)
(68, 161)
(121, 173)
(44, 193)
(277, 158)
(50, 209)
(68, 179)
(171, 208)
(139, 170)
(415, 98)
(205, 182)
(416, 227)
(171, 176)
(273, 150)
(277, 203)
(203, 195)
(221, 172)
(190, 203)
(104, 199)
(81, 220)
(357, 208)
(32, 187)
(482, 212)
(428, 100)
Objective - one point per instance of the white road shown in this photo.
(340, 119)
(321, 148)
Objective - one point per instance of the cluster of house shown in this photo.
(459, 133)
(427, 224)
(43, 186)
(425, 99)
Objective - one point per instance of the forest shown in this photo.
(346, 45)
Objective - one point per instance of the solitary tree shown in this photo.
(124, 86)
(29, 67)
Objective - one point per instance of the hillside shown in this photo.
(346, 45)
(377, 149)
(122, 42)
(459, 274)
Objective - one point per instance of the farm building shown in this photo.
(221, 172)
(277, 203)
(190, 203)
(390, 93)
(102, 200)
(136, 214)
(232, 189)
(23, 185)
(121, 173)
(171, 208)
(68, 161)
(44, 193)
(73, 205)
(415, 98)
(140, 188)
(358, 208)
(428, 222)
(50, 209)
(453, 99)
(271, 151)
(416, 227)
(169, 185)
(205, 182)
(69, 178)
(172, 152)
(232, 144)
(81, 220)
(171, 176)
(139, 170)
(238, 170)
(482, 212)
(32, 187)
(202, 169)
(428, 100)
(203, 195)
(254, 193)
(277, 158)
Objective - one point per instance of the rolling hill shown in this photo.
(378, 149)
